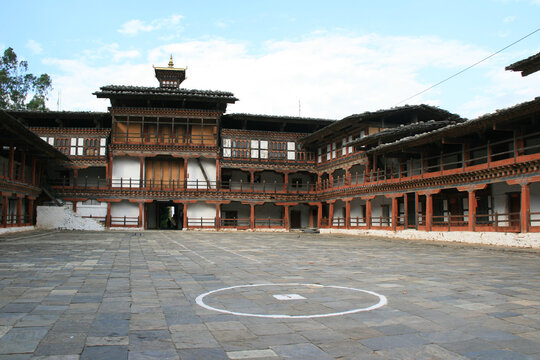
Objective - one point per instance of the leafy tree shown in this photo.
(17, 85)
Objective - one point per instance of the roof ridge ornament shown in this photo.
(171, 64)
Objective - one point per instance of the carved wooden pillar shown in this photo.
(286, 217)
(525, 207)
(347, 213)
(252, 217)
(472, 210)
(347, 178)
(395, 211)
(429, 211)
(368, 213)
(285, 181)
(75, 177)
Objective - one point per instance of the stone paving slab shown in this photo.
(133, 295)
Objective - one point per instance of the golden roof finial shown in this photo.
(171, 64)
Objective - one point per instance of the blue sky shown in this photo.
(332, 58)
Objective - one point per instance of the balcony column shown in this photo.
(525, 206)
(108, 217)
(330, 179)
(11, 162)
(218, 221)
(472, 209)
(319, 182)
(185, 172)
(75, 177)
(252, 217)
(331, 213)
(347, 212)
(368, 209)
(110, 169)
(285, 181)
(347, 179)
(429, 211)
(23, 165)
(395, 210)
(218, 174)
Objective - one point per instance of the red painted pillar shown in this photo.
(252, 217)
(185, 218)
(525, 207)
(286, 217)
(368, 213)
(218, 173)
(394, 212)
(108, 218)
(110, 168)
(19, 211)
(429, 211)
(330, 180)
(347, 179)
(285, 181)
(406, 204)
(348, 214)
(472, 209)
(331, 216)
(75, 206)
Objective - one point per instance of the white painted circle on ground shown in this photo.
(382, 301)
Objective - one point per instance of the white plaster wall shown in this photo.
(339, 212)
(195, 173)
(521, 240)
(201, 209)
(94, 210)
(500, 199)
(126, 167)
(57, 217)
(356, 211)
(124, 208)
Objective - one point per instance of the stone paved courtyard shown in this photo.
(133, 295)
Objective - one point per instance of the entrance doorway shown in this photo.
(296, 219)
(164, 215)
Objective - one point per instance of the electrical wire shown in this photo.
(467, 68)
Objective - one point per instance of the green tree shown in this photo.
(17, 85)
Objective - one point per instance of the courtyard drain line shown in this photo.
(382, 301)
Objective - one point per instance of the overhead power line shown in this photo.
(468, 67)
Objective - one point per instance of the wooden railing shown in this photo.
(164, 139)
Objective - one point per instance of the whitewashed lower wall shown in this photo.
(126, 167)
(521, 240)
(57, 217)
(94, 210)
(201, 209)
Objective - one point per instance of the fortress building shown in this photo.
(171, 158)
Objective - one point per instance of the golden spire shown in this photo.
(171, 64)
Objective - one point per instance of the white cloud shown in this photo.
(108, 51)
(135, 26)
(510, 19)
(332, 75)
(34, 46)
